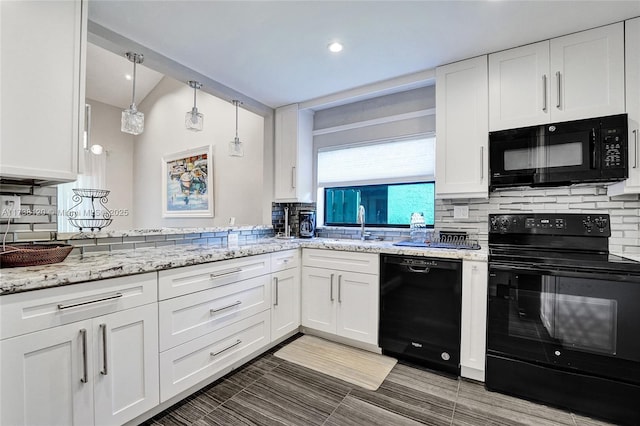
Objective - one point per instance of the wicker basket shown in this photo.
(33, 254)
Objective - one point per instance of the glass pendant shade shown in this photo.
(193, 120)
(132, 121)
(235, 146)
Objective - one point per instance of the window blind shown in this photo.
(397, 161)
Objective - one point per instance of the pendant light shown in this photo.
(132, 119)
(235, 146)
(193, 120)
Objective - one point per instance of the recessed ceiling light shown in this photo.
(127, 76)
(335, 47)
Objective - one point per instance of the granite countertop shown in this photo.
(117, 263)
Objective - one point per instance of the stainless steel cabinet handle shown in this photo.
(481, 163)
(544, 93)
(275, 279)
(83, 336)
(103, 329)
(331, 287)
(558, 77)
(213, 311)
(635, 145)
(293, 177)
(227, 348)
(104, 299)
(87, 127)
(224, 273)
(340, 288)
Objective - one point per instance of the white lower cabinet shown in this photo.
(474, 319)
(285, 307)
(337, 300)
(197, 360)
(95, 370)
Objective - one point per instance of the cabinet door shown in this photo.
(318, 310)
(358, 307)
(519, 87)
(42, 55)
(126, 375)
(588, 73)
(285, 307)
(293, 154)
(46, 377)
(474, 314)
(632, 75)
(462, 126)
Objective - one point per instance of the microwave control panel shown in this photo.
(612, 149)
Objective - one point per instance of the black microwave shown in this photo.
(558, 154)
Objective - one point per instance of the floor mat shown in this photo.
(365, 369)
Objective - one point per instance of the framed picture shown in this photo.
(187, 183)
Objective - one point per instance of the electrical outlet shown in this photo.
(461, 212)
(9, 206)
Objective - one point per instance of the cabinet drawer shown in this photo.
(180, 281)
(366, 263)
(282, 260)
(188, 364)
(186, 317)
(30, 311)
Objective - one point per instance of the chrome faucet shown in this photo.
(361, 214)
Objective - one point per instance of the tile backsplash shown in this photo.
(38, 207)
(624, 211)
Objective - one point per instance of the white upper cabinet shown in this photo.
(293, 154)
(577, 76)
(632, 66)
(519, 87)
(42, 54)
(462, 126)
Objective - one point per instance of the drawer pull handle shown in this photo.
(104, 299)
(227, 272)
(85, 375)
(227, 348)
(103, 328)
(213, 311)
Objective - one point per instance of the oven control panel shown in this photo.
(573, 224)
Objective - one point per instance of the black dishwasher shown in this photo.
(420, 305)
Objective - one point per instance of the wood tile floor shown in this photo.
(271, 391)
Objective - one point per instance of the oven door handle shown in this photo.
(565, 272)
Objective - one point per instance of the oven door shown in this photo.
(577, 321)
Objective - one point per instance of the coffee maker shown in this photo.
(307, 224)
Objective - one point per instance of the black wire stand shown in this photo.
(90, 218)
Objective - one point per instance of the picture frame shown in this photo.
(187, 183)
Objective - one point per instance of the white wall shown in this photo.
(118, 146)
(237, 181)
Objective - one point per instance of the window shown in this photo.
(392, 179)
(385, 205)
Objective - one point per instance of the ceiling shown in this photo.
(276, 51)
(106, 80)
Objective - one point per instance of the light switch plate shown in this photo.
(9, 206)
(461, 212)
(233, 240)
